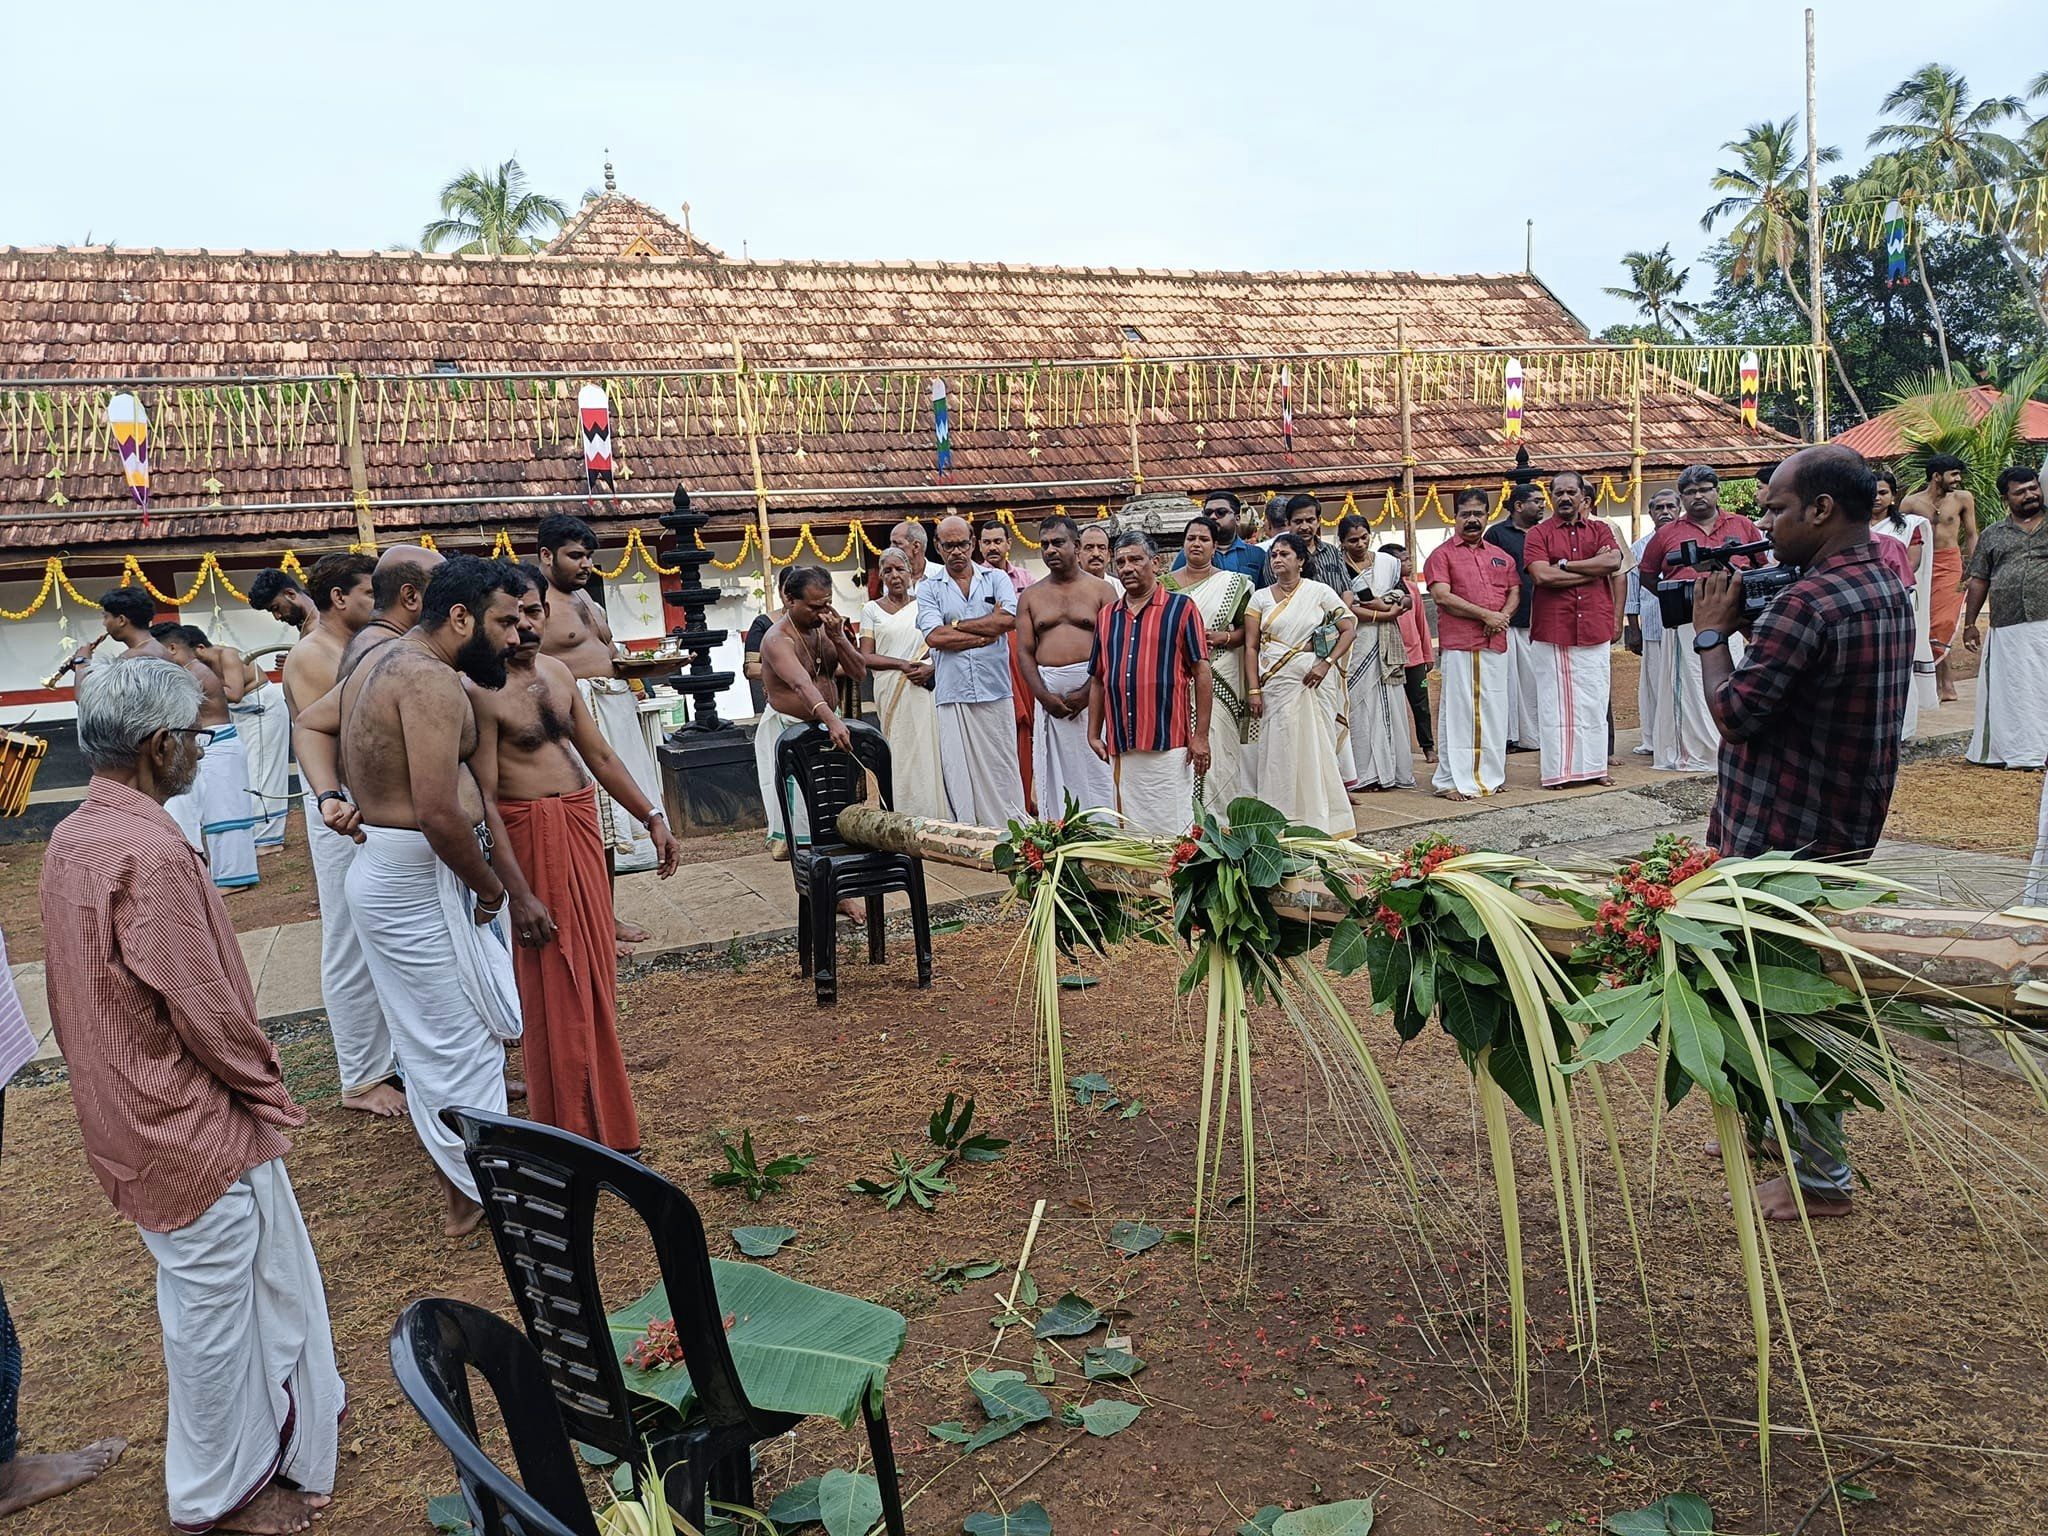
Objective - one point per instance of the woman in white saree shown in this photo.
(1913, 531)
(1376, 676)
(1220, 596)
(900, 663)
(1299, 633)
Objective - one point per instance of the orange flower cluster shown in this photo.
(1626, 939)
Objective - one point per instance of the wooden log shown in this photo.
(1997, 960)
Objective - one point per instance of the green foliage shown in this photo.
(1102, 1418)
(1940, 420)
(1676, 1514)
(1025, 1520)
(1110, 1364)
(1091, 920)
(921, 1186)
(1350, 1517)
(761, 1242)
(954, 1278)
(752, 1178)
(1131, 1237)
(491, 213)
(1068, 1318)
(448, 1513)
(948, 1129)
(949, 1134)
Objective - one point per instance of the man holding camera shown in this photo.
(1690, 743)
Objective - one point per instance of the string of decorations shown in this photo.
(1992, 208)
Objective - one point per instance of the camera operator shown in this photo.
(1689, 745)
(1810, 719)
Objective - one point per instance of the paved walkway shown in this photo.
(751, 897)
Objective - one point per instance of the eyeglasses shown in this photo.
(202, 735)
(955, 544)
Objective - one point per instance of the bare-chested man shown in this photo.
(580, 637)
(279, 594)
(126, 614)
(398, 590)
(1055, 637)
(343, 605)
(430, 906)
(535, 739)
(217, 814)
(1951, 512)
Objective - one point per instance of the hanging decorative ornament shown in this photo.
(1511, 395)
(1287, 408)
(942, 426)
(1894, 244)
(130, 425)
(594, 411)
(1749, 378)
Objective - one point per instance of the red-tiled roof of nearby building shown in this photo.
(1878, 438)
(108, 314)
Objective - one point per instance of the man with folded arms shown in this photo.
(183, 1111)
(1574, 559)
(1476, 584)
(966, 612)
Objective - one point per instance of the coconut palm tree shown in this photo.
(1951, 142)
(492, 214)
(1762, 192)
(1934, 417)
(1655, 282)
(1900, 177)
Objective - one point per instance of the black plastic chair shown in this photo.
(433, 1348)
(540, 1188)
(827, 870)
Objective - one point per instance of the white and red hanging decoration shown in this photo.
(594, 413)
(129, 423)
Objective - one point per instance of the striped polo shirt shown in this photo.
(1144, 663)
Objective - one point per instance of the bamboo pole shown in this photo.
(1406, 393)
(1131, 423)
(743, 402)
(1820, 346)
(351, 426)
(1635, 443)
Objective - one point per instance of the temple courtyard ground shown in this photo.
(1347, 1368)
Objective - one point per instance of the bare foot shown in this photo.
(515, 1090)
(459, 1213)
(380, 1099)
(1774, 1200)
(31, 1479)
(855, 911)
(629, 933)
(275, 1510)
(1452, 794)
(1429, 756)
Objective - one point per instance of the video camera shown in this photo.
(1760, 584)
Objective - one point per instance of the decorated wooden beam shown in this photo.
(1996, 960)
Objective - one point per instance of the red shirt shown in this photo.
(1580, 615)
(1415, 627)
(178, 1089)
(1480, 573)
(1729, 528)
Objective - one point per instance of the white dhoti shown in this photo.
(1525, 694)
(1155, 792)
(265, 725)
(1062, 764)
(767, 731)
(978, 755)
(218, 815)
(362, 1040)
(248, 1352)
(1571, 690)
(1654, 693)
(445, 983)
(2036, 892)
(1693, 743)
(2012, 697)
(616, 709)
(1472, 721)
(1377, 710)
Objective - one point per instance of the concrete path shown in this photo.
(751, 897)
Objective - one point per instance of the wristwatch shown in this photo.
(326, 795)
(1708, 640)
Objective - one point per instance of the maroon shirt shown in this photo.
(1580, 615)
(1480, 573)
(1729, 528)
(178, 1090)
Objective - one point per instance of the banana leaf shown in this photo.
(798, 1349)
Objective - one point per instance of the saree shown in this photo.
(1221, 598)
(1375, 680)
(909, 718)
(1918, 538)
(1295, 766)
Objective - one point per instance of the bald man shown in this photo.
(397, 588)
(966, 613)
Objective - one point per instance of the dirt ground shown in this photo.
(1325, 1383)
(1960, 805)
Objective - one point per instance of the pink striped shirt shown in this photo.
(17, 1040)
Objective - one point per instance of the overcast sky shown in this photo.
(1196, 134)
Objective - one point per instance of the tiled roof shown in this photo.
(1878, 438)
(123, 314)
(612, 226)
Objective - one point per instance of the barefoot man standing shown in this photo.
(1953, 513)
(580, 637)
(343, 604)
(1055, 638)
(217, 813)
(429, 905)
(534, 740)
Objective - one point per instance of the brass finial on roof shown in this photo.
(610, 185)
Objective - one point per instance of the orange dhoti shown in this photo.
(1945, 602)
(575, 1073)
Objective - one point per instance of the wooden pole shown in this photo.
(1405, 388)
(743, 400)
(358, 467)
(1635, 443)
(1131, 423)
(1814, 301)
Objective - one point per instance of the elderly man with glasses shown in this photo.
(966, 613)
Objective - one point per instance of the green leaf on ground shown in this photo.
(955, 1277)
(848, 1502)
(1068, 1318)
(1088, 1086)
(1108, 1364)
(449, 1513)
(1261, 1524)
(622, 1480)
(1025, 1520)
(1351, 1517)
(1103, 1417)
(1134, 1237)
(761, 1242)
(952, 1431)
(593, 1457)
(1041, 1367)
(1676, 1514)
(1006, 1394)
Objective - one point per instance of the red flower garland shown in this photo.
(1626, 940)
